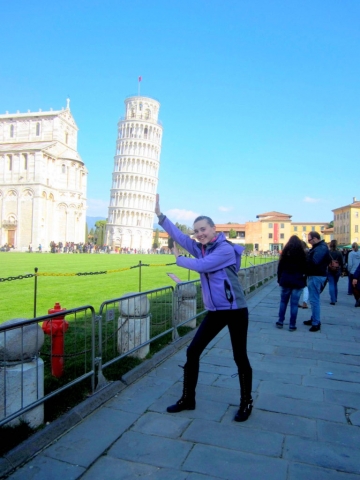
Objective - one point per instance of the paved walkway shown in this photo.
(305, 423)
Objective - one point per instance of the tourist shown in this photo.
(305, 292)
(218, 262)
(356, 290)
(318, 259)
(292, 279)
(334, 271)
(353, 262)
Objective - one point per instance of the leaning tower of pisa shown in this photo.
(135, 176)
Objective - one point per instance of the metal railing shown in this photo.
(26, 361)
(129, 324)
(124, 326)
(255, 276)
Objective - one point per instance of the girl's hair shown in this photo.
(203, 217)
(333, 244)
(355, 246)
(294, 247)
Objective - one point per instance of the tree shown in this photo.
(156, 239)
(232, 233)
(185, 229)
(86, 232)
(99, 235)
(331, 224)
(249, 247)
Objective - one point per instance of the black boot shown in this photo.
(244, 411)
(246, 401)
(187, 401)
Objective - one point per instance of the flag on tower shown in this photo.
(140, 79)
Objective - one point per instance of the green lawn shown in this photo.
(17, 296)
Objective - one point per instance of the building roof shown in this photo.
(53, 147)
(30, 114)
(226, 227)
(25, 146)
(273, 214)
(64, 113)
(355, 204)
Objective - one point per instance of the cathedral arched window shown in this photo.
(25, 157)
(147, 113)
(12, 129)
(38, 129)
(140, 106)
(66, 138)
(10, 162)
(63, 168)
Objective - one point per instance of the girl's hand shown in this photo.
(157, 205)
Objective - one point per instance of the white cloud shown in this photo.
(178, 215)
(225, 209)
(311, 200)
(97, 207)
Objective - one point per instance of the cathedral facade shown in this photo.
(42, 180)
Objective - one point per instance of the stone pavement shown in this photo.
(305, 423)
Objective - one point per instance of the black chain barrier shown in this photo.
(20, 277)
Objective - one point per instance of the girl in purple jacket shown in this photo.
(218, 262)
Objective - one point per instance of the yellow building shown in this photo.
(302, 229)
(275, 231)
(347, 223)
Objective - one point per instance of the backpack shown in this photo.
(334, 265)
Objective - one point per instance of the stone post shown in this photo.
(21, 372)
(185, 297)
(134, 325)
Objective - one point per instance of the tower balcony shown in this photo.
(140, 116)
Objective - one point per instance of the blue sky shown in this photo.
(260, 99)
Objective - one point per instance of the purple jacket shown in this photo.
(217, 262)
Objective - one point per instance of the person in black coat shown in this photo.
(292, 279)
(334, 273)
(356, 286)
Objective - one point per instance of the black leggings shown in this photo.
(237, 322)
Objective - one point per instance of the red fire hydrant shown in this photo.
(56, 327)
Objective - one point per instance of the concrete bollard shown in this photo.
(134, 325)
(186, 304)
(21, 372)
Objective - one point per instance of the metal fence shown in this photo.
(123, 326)
(253, 277)
(29, 358)
(128, 324)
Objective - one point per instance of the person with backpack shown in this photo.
(318, 260)
(335, 269)
(218, 262)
